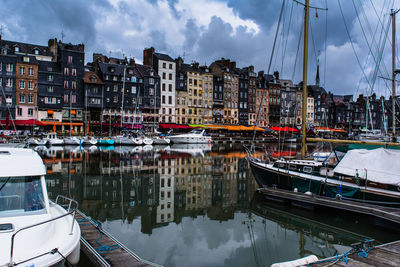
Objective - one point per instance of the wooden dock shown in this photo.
(385, 213)
(103, 249)
(383, 255)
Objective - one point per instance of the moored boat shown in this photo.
(161, 140)
(365, 175)
(105, 142)
(35, 141)
(34, 230)
(89, 141)
(53, 140)
(72, 141)
(196, 136)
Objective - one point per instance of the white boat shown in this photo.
(321, 156)
(161, 140)
(137, 141)
(373, 136)
(34, 230)
(146, 140)
(89, 141)
(72, 141)
(53, 140)
(192, 149)
(123, 140)
(196, 136)
(34, 141)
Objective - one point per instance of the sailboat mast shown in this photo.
(304, 100)
(393, 14)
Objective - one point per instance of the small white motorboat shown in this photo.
(137, 141)
(160, 140)
(34, 141)
(196, 136)
(89, 141)
(123, 140)
(72, 141)
(34, 231)
(53, 140)
(146, 140)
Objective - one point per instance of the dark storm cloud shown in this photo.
(37, 21)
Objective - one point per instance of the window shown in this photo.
(170, 100)
(22, 70)
(151, 81)
(115, 100)
(36, 51)
(73, 99)
(115, 87)
(50, 78)
(73, 72)
(16, 49)
(73, 84)
(133, 89)
(30, 99)
(151, 91)
(30, 71)
(70, 59)
(170, 66)
(108, 89)
(22, 98)
(170, 87)
(19, 111)
(164, 75)
(9, 82)
(170, 76)
(164, 65)
(177, 100)
(115, 78)
(66, 84)
(22, 84)
(163, 86)
(151, 101)
(9, 67)
(66, 71)
(30, 85)
(163, 99)
(30, 112)
(183, 101)
(66, 98)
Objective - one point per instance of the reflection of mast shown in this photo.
(302, 244)
(122, 191)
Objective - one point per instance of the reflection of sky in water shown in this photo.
(204, 242)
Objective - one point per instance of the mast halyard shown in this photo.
(304, 100)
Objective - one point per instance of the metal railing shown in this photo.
(70, 211)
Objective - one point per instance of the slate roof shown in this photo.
(163, 57)
(26, 48)
(88, 74)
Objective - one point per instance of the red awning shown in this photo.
(284, 129)
(166, 126)
(30, 122)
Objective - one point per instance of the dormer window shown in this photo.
(16, 49)
(93, 78)
(36, 51)
(112, 70)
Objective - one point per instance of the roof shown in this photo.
(163, 57)
(26, 48)
(92, 77)
(145, 70)
(20, 162)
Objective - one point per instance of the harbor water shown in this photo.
(196, 205)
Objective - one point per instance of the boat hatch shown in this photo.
(6, 227)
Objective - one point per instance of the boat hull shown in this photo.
(267, 177)
(190, 140)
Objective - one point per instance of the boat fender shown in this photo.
(308, 193)
(296, 190)
(298, 262)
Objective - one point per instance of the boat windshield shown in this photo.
(21, 196)
(196, 131)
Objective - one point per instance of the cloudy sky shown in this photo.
(206, 30)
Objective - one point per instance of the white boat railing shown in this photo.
(70, 211)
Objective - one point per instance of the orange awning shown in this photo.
(50, 112)
(73, 112)
(51, 122)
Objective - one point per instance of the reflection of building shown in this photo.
(165, 208)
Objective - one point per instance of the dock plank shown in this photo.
(114, 257)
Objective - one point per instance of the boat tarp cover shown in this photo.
(304, 185)
(379, 165)
(332, 191)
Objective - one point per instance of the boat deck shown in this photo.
(104, 250)
(383, 255)
(385, 213)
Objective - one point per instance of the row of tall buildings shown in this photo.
(52, 87)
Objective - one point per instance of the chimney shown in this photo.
(195, 65)
(276, 75)
(260, 74)
(232, 65)
(52, 44)
(251, 68)
(132, 62)
(148, 56)
(179, 63)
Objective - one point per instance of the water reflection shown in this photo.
(192, 206)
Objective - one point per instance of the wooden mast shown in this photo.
(304, 100)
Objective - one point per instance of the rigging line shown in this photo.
(297, 53)
(351, 42)
(370, 32)
(276, 34)
(366, 40)
(380, 56)
(310, 7)
(313, 42)
(287, 37)
(326, 38)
